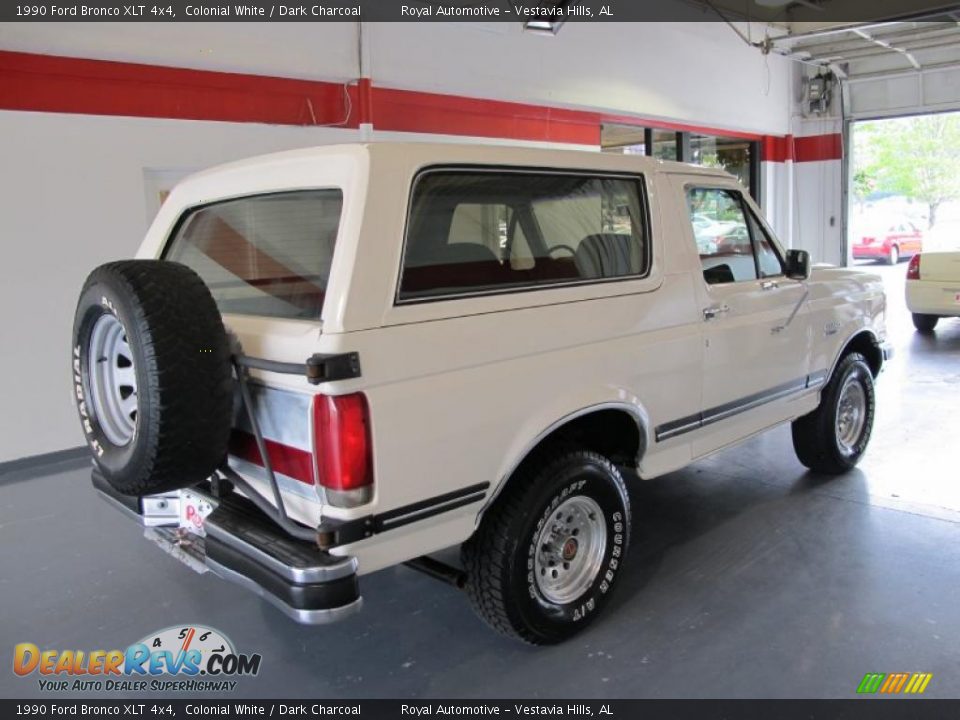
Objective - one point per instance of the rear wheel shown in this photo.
(832, 439)
(925, 323)
(894, 257)
(545, 558)
(152, 376)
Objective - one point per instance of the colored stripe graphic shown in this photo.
(894, 683)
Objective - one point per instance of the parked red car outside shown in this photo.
(889, 242)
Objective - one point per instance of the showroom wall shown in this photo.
(79, 189)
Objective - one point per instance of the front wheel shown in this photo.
(548, 552)
(833, 438)
(925, 323)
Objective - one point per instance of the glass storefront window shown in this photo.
(625, 139)
(729, 154)
(664, 144)
(737, 156)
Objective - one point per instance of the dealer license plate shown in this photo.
(194, 509)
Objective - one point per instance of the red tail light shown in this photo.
(913, 269)
(341, 446)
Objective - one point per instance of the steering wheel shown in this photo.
(573, 253)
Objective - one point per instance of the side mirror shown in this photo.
(798, 264)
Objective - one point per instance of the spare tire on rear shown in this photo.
(152, 375)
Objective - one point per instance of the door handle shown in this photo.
(769, 285)
(715, 310)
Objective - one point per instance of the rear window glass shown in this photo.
(265, 254)
(473, 232)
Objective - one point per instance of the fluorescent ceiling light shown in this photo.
(543, 27)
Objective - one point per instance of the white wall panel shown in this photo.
(72, 196)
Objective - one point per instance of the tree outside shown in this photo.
(917, 158)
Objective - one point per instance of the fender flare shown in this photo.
(636, 411)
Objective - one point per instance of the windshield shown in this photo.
(264, 254)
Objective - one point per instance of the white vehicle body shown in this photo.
(937, 289)
(462, 387)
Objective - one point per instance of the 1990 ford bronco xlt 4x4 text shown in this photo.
(329, 361)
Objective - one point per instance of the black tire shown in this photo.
(925, 323)
(894, 257)
(815, 435)
(500, 557)
(181, 365)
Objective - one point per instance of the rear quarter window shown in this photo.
(473, 231)
(264, 255)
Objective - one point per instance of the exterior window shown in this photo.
(730, 154)
(263, 255)
(768, 260)
(475, 232)
(732, 243)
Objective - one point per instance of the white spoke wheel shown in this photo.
(113, 380)
(832, 439)
(549, 550)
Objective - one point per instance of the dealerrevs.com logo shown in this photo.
(186, 658)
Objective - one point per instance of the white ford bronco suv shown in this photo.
(329, 361)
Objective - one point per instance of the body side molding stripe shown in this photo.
(698, 420)
(333, 532)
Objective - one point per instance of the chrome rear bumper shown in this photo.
(243, 546)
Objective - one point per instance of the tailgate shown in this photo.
(940, 267)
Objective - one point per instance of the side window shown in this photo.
(723, 239)
(768, 259)
(472, 231)
(478, 224)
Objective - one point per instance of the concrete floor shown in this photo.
(748, 577)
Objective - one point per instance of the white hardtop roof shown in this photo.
(419, 154)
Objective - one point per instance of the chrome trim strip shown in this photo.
(316, 574)
(281, 414)
(255, 475)
(304, 617)
(723, 412)
(684, 426)
(696, 421)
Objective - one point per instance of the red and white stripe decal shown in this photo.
(286, 460)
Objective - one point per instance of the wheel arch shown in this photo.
(617, 430)
(867, 344)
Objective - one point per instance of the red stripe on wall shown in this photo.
(810, 148)
(777, 149)
(410, 111)
(48, 83)
(815, 148)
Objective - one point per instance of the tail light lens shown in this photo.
(867, 240)
(913, 269)
(342, 449)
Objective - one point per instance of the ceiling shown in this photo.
(853, 38)
(799, 17)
